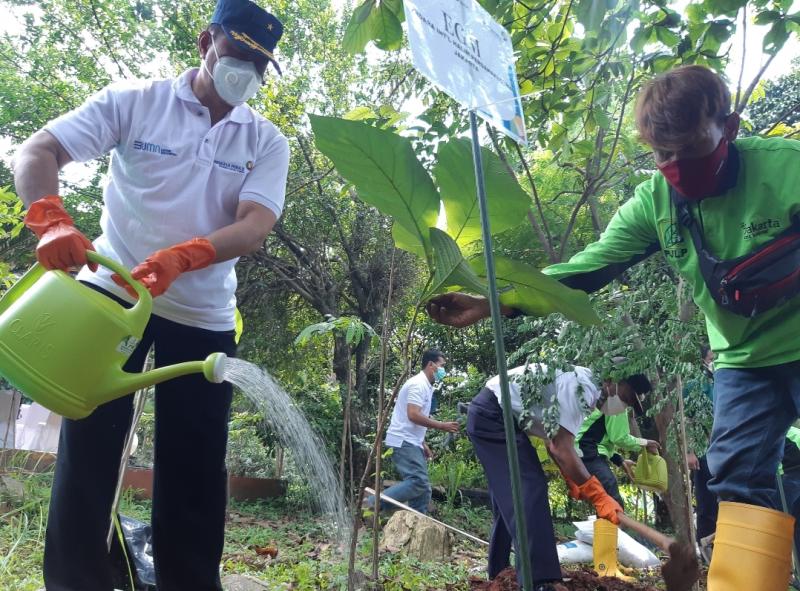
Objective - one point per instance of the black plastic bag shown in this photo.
(139, 549)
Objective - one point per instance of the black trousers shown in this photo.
(485, 430)
(707, 504)
(599, 466)
(190, 479)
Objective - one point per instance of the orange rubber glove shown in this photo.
(61, 244)
(605, 506)
(572, 489)
(161, 268)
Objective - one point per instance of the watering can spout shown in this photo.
(213, 368)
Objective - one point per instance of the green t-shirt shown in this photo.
(606, 434)
(760, 205)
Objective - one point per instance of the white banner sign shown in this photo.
(459, 47)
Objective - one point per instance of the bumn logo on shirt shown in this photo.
(152, 148)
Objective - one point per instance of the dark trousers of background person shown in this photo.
(599, 467)
(485, 430)
(707, 504)
(190, 479)
(791, 489)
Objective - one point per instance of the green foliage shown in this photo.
(401, 573)
(22, 527)
(389, 181)
(146, 433)
(454, 473)
(508, 202)
(23, 522)
(777, 105)
(375, 20)
(450, 270)
(526, 288)
(640, 323)
(246, 454)
(699, 411)
(11, 215)
(353, 330)
(383, 167)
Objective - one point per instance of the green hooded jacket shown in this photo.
(760, 202)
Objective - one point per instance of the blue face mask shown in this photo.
(440, 373)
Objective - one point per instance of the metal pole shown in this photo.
(523, 566)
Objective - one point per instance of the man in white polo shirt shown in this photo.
(574, 394)
(197, 179)
(406, 433)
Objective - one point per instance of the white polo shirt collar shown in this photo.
(182, 85)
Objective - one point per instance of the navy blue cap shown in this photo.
(251, 28)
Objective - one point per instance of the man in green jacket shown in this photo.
(738, 195)
(599, 438)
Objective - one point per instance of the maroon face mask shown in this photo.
(696, 178)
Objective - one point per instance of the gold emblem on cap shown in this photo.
(252, 43)
(269, 27)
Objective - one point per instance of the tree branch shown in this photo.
(781, 117)
(624, 104)
(544, 231)
(746, 96)
(102, 32)
(571, 225)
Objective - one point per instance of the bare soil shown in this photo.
(574, 580)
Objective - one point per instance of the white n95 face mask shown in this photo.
(236, 81)
(613, 404)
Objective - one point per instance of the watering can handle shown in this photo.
(137, 316)
(140, 313)
(140, 289)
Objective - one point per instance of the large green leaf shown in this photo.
(508, 202)
(359, 29)
(387, 32)
(591, 13)
(396, 6)
(776, 37)
(526, 288)
(385, 171)
(451, 269)
(378, 22)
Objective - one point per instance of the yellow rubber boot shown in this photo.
(604, 550)
(752, 549)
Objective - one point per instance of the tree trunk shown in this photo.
(675, 497)
(341, 359)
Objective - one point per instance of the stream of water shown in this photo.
(295, 434)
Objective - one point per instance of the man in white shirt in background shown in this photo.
(197, 179)
(406, 433)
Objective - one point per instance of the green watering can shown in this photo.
(650, 472)
(64, 344)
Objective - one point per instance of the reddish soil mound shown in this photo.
(581, 580)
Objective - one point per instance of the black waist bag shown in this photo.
(753, 283)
